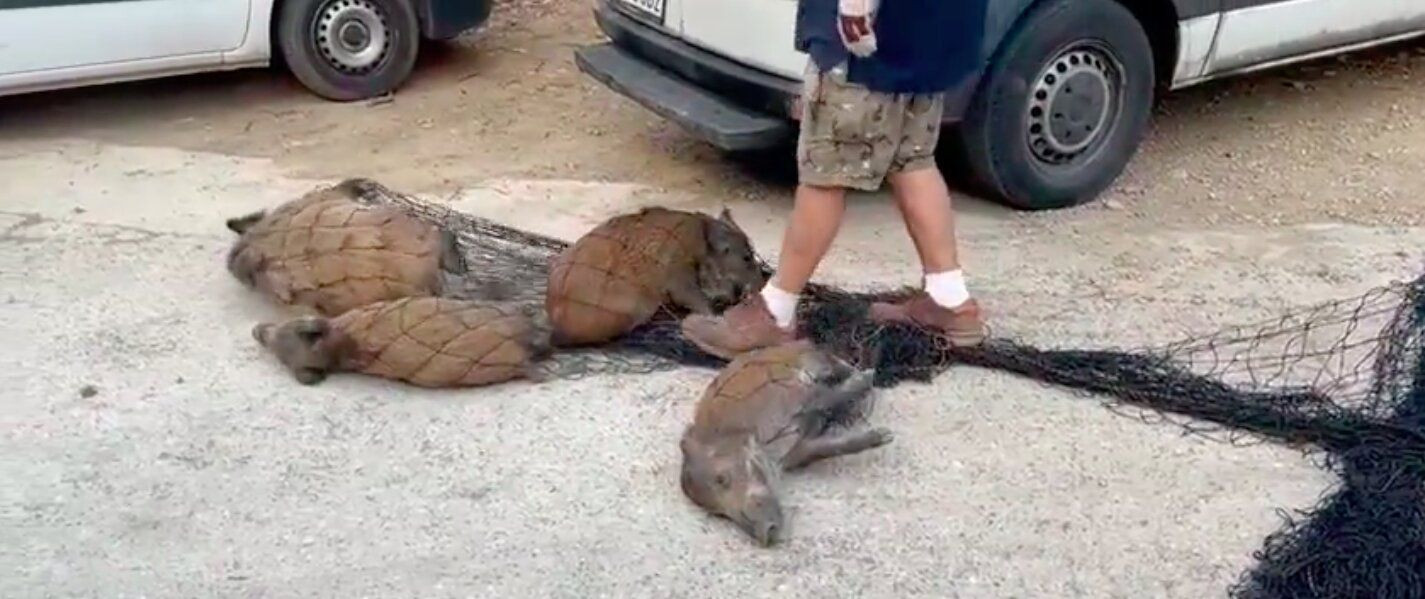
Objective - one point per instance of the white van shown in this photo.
(340, 49)
(1053, 116)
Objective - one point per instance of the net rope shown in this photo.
(1343, 381)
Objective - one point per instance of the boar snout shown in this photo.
(262, 332)
(767, 534)
(763, 520)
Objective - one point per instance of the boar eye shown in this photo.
(723, 480)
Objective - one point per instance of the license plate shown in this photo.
(652, 8)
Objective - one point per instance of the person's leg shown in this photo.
(925, 206)
(831, 158)
(815, 220)
(924, 201)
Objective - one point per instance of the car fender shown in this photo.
(256, 48)
(1001, 16)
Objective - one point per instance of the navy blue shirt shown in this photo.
(923, 46)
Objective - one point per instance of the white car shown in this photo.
(340, 49)
(1056, 109)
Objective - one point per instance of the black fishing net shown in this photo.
(1344, 381)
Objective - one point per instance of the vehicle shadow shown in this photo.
(159, 102)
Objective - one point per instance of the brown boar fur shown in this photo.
(425, 341)
(765, 413)
(333, 252)
(617, 276)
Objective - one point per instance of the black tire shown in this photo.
(302, 28)
(1092, 40)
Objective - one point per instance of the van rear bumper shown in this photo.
(728, 104)
(732, 106)
(713, 118)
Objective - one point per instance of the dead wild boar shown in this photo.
(425, 341)
(767, 412)
(334, 252)
(616, 276)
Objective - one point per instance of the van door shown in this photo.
(758, 33)
(1259, 31)
(42, 35)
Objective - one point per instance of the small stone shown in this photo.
(88, 391)
(1113, 204)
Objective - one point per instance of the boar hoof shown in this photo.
(310, 376)
(881, 436)
(536, 373)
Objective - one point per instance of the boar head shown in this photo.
(729, 269)
(308, 346)
(732, 477)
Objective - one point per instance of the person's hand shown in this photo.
(855, 26)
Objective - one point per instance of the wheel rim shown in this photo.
(1073, 105)
(352, 35)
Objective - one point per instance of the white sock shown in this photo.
(781, 304)
(947, 288)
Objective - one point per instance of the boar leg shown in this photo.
(808, 450)
(684, 291)
(309, 376)
(827, 400)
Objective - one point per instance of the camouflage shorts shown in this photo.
(852, 137)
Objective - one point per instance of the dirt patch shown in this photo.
(1333, 140)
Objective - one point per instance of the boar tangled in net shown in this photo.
(1344, 380)
(329, 251)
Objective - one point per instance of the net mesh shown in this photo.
(1344, 381)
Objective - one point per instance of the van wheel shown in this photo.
(1062, 108)
(349, 49)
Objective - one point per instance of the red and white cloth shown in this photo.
(854, 15)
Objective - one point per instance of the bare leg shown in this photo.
(924, 202)
(809, 450)
(815, 220)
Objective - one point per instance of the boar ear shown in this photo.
(718, 234)
(311, 330)
(241, 224)
(691, 446)
(726, 216)
(451, 260)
